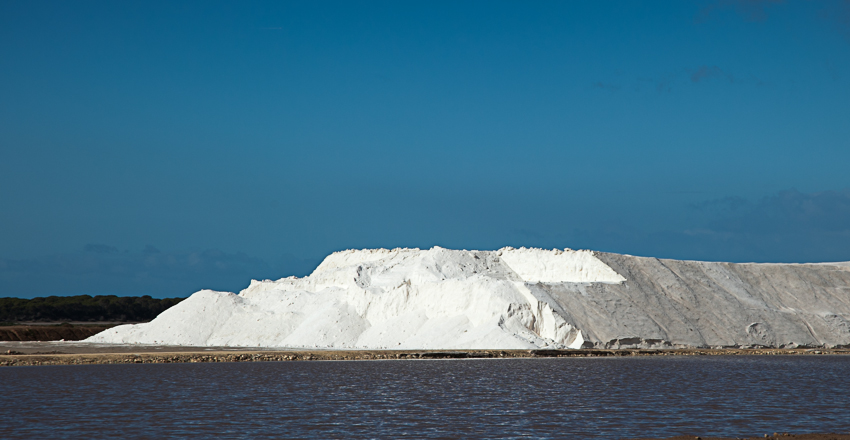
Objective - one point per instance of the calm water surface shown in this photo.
(539, 398)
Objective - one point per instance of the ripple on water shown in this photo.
(505, 398)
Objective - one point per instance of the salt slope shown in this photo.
(516, 298)
(708, 304)
(400, 298)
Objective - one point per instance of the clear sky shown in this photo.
(163, 147)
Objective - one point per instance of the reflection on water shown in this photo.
(505, 398)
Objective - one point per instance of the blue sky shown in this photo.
(163, 147)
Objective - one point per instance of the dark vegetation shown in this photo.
(54, 332)
(84, 308)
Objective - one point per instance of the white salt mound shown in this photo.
(512, 299)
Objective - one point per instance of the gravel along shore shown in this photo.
(78, 354)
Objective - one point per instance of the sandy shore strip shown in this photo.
(58, 353)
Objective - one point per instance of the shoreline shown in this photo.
(35, 354)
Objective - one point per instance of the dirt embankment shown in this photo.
(57, 332)
(49, 355)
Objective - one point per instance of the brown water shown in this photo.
(500, 398)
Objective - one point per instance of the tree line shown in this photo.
(84, 308)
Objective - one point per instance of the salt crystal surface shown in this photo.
(512, 299)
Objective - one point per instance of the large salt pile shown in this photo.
(514, 298)
(400, 298)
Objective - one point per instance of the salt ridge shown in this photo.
(381, 298)
(513, 299)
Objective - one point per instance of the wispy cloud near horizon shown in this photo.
(668, 82)
(708, 72)
(750, 10)
(103, 269)
(789, 226)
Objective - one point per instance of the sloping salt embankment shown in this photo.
(514, 298)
